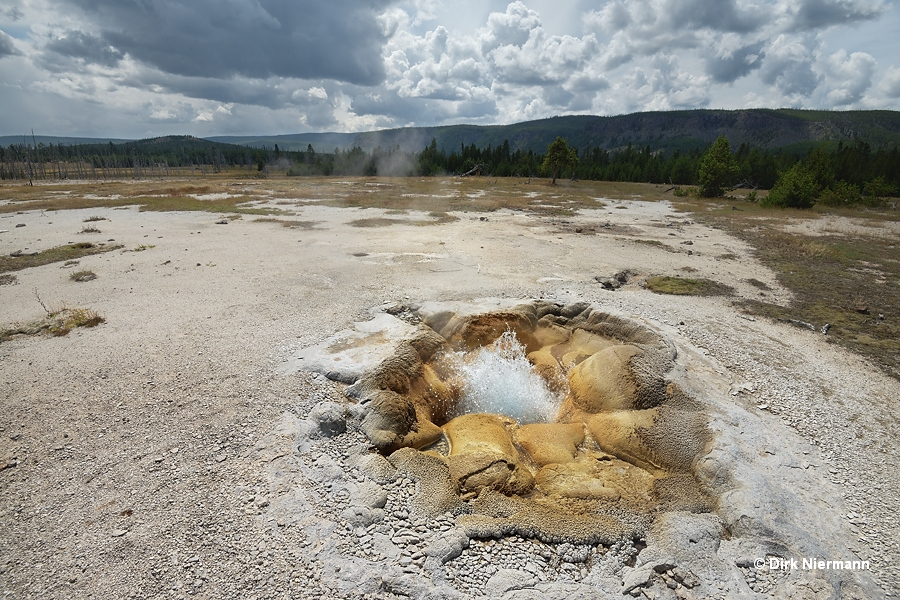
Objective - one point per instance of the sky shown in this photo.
(144, 68)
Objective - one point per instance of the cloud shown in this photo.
(848, 77)
(82, 46)
(890, 83)
(7, 45)
(719, 16)
(14, 14)
(726, 65)
(339, 39)
(819, 14)
(245, 66)
(510, 28)
(661, 85)
(274, 93)
(518, 49)
(789, 66)
(404, 110)
(646, 27)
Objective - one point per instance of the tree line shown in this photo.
(846, 176)
(833, 174)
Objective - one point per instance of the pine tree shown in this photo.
(718, 169)
(559, 156)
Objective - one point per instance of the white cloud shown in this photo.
(317, 92)
(847, 77)
(788, 66)
(890, 83)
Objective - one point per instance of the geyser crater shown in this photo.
(549, 421)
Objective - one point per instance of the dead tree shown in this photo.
(476, 170)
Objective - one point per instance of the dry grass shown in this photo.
(82, 276)
(839, 276)
(288, 223)
(147, 195)
(8, 279)
(436, 219)
(89, 229)
(56, 323)
(58, 254)
(439, 196)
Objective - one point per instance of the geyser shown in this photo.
(499, 379)
(467, 397)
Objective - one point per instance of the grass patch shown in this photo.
(146, 196)
(378, 222)
(93, 219)
(82, 276)
(58, 254)
(757, 284)
(682, 286)
(8, 279)
(438, 218)
(288, 223)
(236, 204)
(56, 323)
(89, 229)
(143, 247)
(654, 243)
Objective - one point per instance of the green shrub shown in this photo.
(840, 194)
(795, 188)
(877, 190)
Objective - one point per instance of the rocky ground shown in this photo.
(156, 456)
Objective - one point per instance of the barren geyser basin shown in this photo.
(477, 395)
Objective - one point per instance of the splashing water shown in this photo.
(501, 380)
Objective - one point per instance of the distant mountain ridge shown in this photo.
(666, 131)
(684, 130)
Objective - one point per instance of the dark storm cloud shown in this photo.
(308, 39)
(243, 91)
(84, 46)
(818, 14)
(726, 69)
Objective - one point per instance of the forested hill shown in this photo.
(666, 131)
